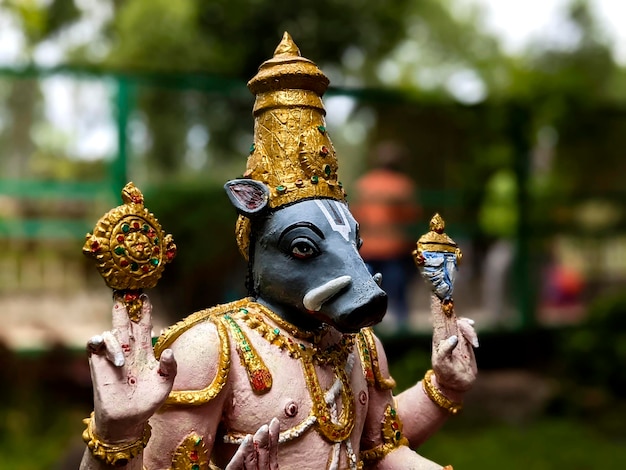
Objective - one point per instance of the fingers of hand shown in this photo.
(167, 365)
(443, 326)
(106, 344)
(146, 312)
(274, 429)
(95, 344)
(238, 461)
(142, 330)
(113, 349)
(446, 346)
(121, 323)
(262, 447)
(466, 327)
(250, 460)
(258, 452)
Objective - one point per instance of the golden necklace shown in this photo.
(334, 356)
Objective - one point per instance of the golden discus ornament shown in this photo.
(130, 249)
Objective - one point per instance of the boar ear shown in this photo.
(248, 196)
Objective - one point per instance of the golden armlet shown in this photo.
(392, 437)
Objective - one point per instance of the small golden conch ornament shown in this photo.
(130, 249)
(437, 256)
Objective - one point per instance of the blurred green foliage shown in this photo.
(547, 444)
(591, 357)
(208, 268)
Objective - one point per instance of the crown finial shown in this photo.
(287, 46)
(437, 224)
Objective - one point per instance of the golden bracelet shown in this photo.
(437, 397)
(115, 455)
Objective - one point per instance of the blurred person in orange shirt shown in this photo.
(386, 208)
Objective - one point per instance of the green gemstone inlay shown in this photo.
(276, 331)
(322, 129)
(119, 250)
(327, 170)
(145, 227)
(154, 262)
(125, 228)
(392, 412)
(314, 179)
(195, 466)
(243, 310)
(134, 267)
(281, 188)
(398, 435)
(252, 147)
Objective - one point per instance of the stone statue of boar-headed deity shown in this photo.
(292, 376)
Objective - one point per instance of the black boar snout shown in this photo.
(368, 314)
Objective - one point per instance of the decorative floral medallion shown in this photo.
(130, 248)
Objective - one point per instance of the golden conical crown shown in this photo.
(292, 152)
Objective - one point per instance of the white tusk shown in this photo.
(315, 298)
(378, 278)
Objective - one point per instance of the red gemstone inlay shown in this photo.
(130, 297)
(120, 238)
(193, 455)
(124, 262)
(135, 224)
(170, 255)
(394, 426)
(95, 246)
(261, 380)
(324, 150)
(145, 268)
(156, 249)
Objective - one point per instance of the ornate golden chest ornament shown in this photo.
(130, 249)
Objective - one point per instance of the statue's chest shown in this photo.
(325, 394)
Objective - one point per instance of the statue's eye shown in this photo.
(359, 240)
(303, 248)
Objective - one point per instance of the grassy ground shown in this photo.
(547, 444)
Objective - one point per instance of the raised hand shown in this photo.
(129, 383)
(258, 452)
(453, 359)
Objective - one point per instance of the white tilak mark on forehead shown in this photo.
(342, 226)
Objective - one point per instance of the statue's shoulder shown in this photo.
(201, 345)
(370, 358)
(196, 324)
